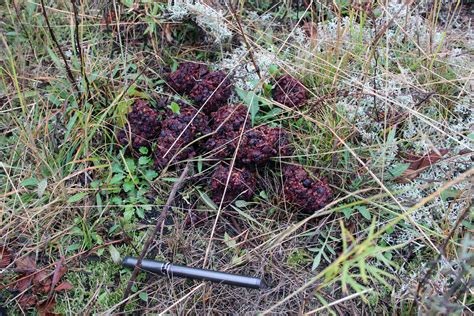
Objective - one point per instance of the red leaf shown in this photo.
(46, 308)
(27, 300)
(25, 264)
(5, 257)
(42, 282)
(311, 30)
(419, 163)
(64, 286)
(59, 271)
(23, 282)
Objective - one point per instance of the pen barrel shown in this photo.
(175, 270)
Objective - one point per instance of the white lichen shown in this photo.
(211, 20)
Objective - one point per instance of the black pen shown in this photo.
(175, 270)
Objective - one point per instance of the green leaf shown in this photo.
(174, 107)
(399, 169)
(55, 58)
(207, 200)
(98, 200)
(95, 184)
(241, 203)
(128, 214)
(143, 160)
(263, 195)
(77, 197)
(73, 247)
(316, 261)
(128, 3)
(116, 168)
(229, 241)
(174, 66)
(140, 212)
(143, 296)
(347, 211)
(250, 99)
(199, 164)
(29, 182)
(143, 150)
(150, 175)
(42, 187)
(363, 211)
(391, 135)
(131, 164)
(114, 254)
(448, 193)
(273, 70)
(237, 260)
(116, 200)
(117, 179)
(128, 186)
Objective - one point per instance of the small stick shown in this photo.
(78, 46)
(249, 48)
(53, 37)
(151, 236)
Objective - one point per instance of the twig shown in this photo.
(53, 37)
(249, 48)
(151, 236)
(79, 48)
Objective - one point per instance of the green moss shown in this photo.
(97, 287)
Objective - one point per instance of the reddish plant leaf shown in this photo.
(42, 282)
(5, 257)
(419, 163)
(27, 300)
(22, 283)
(46, 308)
(311, 30)
(59, 271)
(64, 286)
(168, 32)
(25, 264)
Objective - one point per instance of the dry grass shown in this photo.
(387, 81)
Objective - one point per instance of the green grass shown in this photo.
(69, 190)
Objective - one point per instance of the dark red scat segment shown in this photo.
(216, 84)
(175, 130)
(262, 143)
(241, 184)
(227, 124)
(187, 76)
(309, 192)
(143, 126)
(289, 91)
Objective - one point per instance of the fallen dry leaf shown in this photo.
(59, 271)
(25, 264)
(22, 283)
(167, 32)
(42, 282)
(64, 286)
(311, 30)
(46, 308)
(419, 163)
(27, 300)
(5, 257)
